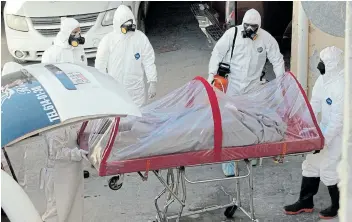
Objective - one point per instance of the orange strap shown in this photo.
(284, 150)
(280, 159)
(147, 169)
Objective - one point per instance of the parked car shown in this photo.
(31, 26)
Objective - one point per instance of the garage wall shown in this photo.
(317, 40)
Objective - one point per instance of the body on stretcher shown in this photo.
(183, 122)
(196, 125)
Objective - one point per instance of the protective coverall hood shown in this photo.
(333, 60)
(252, 16)
(122, 15)
(67, 26)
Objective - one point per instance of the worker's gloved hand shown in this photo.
(72, 154)
(152, 90)
(210, 78)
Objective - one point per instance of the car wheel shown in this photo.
(141, 21)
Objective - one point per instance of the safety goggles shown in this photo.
(253, 27)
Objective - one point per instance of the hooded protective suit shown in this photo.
(126, 57)
(61, 50)
(249, 56)
(62, 177)
(327, 99)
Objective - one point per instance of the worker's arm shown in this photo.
(83, 56)
(58, 140)
(148, 61)
(315, 101)
(103, 54)
(335, 125)
(219, 52)
(274, 55)
(49, 56)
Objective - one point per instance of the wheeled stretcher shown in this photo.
(198, 125)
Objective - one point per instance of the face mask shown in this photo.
(250, 31)
(321, 67)
(76, 39)
(128, 27)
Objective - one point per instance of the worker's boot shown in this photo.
(309, 188)
(331, 212)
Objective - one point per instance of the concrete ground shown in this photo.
(181, 54)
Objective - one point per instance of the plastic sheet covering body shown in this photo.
(196, 124)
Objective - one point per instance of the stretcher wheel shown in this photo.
(115, 182)
(230, 211)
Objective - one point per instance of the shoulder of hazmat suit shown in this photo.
(148, 58)
(316, 100)
(127, 57)
(61, 51)
(220, 50)
(273, 53)
(103, 54)
(329, 90)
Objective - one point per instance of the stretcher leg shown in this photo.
(251, 205)
(238, 189)
(171, 183)
(230, 211)
(173, 189)
(159, 215)
(183, 185)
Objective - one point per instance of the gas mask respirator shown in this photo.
(321, 67)
(250, 31)
(76, 39)
(128, 26)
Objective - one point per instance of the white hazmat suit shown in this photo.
(327, 99)
(249, 56)
(63, 179)
(61, 50)
(126, 57)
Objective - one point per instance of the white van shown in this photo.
(31, 26)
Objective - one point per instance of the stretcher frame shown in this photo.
(180, 161)
(172, 187)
